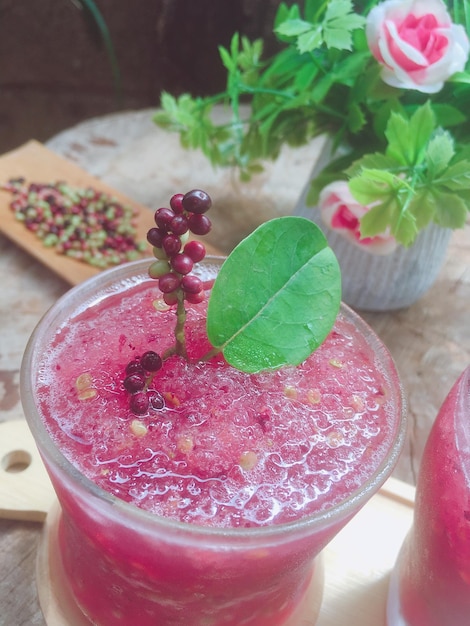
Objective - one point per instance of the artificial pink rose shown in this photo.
(341, 212)
(417, 43)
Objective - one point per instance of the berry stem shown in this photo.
(176, 256)
(180, 345)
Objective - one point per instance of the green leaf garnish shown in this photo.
(276, 296)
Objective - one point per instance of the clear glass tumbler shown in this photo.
(125, 566)
(430, 584)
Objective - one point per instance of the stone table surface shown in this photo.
(430, 341)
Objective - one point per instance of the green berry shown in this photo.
(159, 268)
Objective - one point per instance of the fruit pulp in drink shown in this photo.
(228, 451)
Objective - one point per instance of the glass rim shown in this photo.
(309, 523)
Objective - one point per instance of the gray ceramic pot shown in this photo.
(373, 282)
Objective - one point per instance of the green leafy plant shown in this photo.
(404, 134)
(92, 11)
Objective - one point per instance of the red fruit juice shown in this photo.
(254, 464)
(431, 582)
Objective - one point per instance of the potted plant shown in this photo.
(387, 84)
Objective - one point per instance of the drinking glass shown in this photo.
(430, 584)
(125, 566)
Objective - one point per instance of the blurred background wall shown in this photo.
(55, 72)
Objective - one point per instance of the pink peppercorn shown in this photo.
(85, 223)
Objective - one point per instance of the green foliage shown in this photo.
(334, 29)
(324, 79)
(291, 95)
(92, 9)
(281, 310)
(418, 180)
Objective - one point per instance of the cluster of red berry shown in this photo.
(139, 373)
(175, 254)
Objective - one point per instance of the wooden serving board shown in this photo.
(36, 163)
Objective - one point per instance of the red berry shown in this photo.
(155, 237)
(134, 383)
(139, 404)
(196, 250)
(171, 244)
(191, 284)
(199, 224)
(168, 282)
(170, 298)
(196, 201)
(163, 218)
(179, 225)
(156, 400)
(151, 361)
(176, 203)
(195, 298)
(182, 263)
(134, 367)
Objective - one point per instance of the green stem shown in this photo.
(169, 352)
(409, 196)
(179, 347)
(92, 8)
(213, 352)
(256, 91)
(236, 123)
(321, 11)
(180, 339)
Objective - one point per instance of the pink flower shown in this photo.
(417, 43)
(341, 212)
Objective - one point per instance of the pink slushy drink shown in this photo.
(431, 581)
(209, 508)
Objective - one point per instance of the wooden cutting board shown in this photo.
(36, 163)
